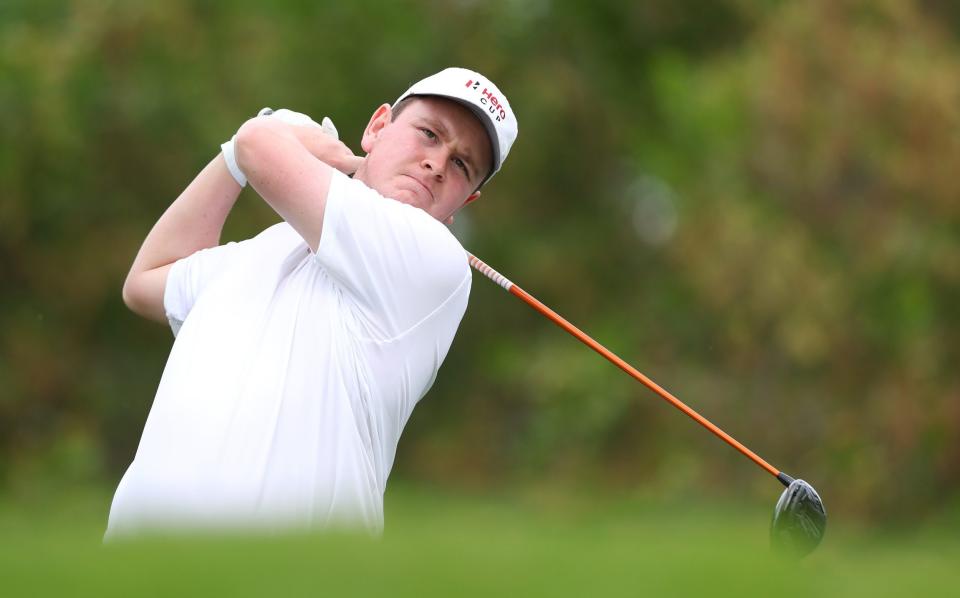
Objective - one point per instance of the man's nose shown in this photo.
(434, 164)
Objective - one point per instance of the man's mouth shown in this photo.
(425, 188)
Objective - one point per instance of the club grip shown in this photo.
(481, 267)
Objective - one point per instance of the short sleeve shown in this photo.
(397, 262)
(189, 276)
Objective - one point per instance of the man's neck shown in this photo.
(361, 175)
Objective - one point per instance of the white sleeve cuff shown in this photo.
(173, 300)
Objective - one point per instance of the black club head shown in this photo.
(799, 520)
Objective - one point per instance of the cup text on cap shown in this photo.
(489, 100)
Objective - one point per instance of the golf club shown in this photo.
(799, 518)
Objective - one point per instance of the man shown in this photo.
(300, 353)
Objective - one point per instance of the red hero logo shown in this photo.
(489, 100)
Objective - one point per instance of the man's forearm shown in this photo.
(290, 166)
(193, 222)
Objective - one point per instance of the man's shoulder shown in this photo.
(436, 241)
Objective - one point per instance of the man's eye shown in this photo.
(462, 166)
(429, 134)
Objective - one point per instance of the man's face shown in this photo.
(433, 156)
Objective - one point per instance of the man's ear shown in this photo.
(470, 199)
(381, 118)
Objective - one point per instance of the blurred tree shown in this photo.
(752, 201)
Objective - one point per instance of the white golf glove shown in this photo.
(287, 116)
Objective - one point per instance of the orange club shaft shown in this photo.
(610, 356)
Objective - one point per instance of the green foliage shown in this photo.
(753, 202)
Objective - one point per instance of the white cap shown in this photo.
(478, 93)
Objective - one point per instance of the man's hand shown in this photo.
(327, 148)
(298, 118)
(337, 155)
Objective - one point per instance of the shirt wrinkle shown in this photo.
(398, 337)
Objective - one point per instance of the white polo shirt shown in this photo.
(293, 374)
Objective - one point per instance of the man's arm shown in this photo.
(193, 222)
(290, 167)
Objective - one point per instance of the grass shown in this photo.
(448, 545)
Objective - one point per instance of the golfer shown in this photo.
(300, 353)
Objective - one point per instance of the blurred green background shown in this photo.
(754, 202)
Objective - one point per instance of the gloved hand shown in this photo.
(287, 116)
(297, 118)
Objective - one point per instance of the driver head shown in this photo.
(799, 520)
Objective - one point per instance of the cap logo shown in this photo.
(488, 100)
